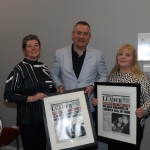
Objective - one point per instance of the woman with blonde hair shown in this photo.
(126, 70)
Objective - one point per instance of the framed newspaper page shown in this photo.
(68, 121)
(116, 118)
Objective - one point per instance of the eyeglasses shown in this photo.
(85, 34)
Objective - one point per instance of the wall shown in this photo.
(113, 23)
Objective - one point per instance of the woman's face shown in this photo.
(125, 59)
(32, 50)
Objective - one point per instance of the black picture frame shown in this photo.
(116, 102)
(57, 121)
(1, 126)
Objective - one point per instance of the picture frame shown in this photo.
(68, 121)
(117, 122)
(1, 126)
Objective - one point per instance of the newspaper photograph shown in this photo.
(116, 112)
(68, 120)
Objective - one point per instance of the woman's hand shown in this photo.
(37, 96)
(139, 112)
(94, 101)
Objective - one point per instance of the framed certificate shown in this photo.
(116, 118)
(68, 121)
(1, 127)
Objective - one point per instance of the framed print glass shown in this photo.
(117, 121)
(143, 46)
(68, 121)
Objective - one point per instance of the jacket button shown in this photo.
(78, 82)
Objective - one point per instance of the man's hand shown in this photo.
(140, 112)
(60, 89)
(89, 90)
(94, 101)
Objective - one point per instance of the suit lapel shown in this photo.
(69, 54)
(85, 62)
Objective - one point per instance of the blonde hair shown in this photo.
(135, 70)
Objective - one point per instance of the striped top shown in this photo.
(27, 79)
(145, 89)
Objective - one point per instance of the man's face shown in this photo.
(81, 36)
(120, 120)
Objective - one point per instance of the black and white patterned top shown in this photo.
(145, 88)
(27, 79)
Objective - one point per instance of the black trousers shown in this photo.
(33, 136)
(94, 115)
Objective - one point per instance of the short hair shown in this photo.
(82, 23)
(28, 38)
(135, 68)
(125, 116)
(119, 117)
